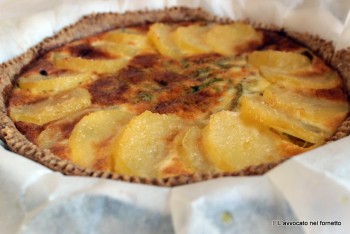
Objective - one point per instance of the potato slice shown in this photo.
(190, 39)
(295, 81)
(174, 164)
(232, 144)
(185, 155)
(92, 139)
(190, 148)
(254, 108)
(43, 84)
(233, 38)
(124, 43)
(284, 61)
(59, 130)
(127, 37)
(143, 144)
(161, 36)
(121, 50)
(53, 108)
(254, 84)
(90, 65)
(320, 112)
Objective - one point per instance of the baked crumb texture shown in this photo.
(96, 23)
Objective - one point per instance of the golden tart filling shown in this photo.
(169, 99)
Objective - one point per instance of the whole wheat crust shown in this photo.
(96, 23)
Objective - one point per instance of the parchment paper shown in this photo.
(313, 187)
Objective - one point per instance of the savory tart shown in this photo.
(168, 97)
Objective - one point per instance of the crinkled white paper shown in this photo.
(313, 187)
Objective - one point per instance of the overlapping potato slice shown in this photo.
(90, 65)
(292, 70)
(185, 155)
(143, 144)
(254, 84)
(161, 36)
(300, 81)
(190, 39)
(121, 50)
(124, 43)
(38, 83)
(92, 139)
(254, 108)
(174, 164)
(320, 112)
(232, 38)
(232, 144)
(127, 37)
(52, 108)
(285, 61)
(190, 149)
(58, 131)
